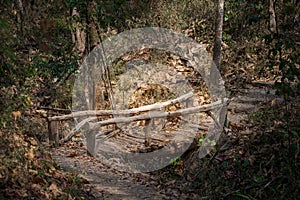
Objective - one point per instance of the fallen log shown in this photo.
(128, 119)
(132, 111)
(92, 115)
(160, 114)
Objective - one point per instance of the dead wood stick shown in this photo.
(215, 119)
(54, 109)
(159, 114)
(147, 130)
(77, 127)
(122, 112)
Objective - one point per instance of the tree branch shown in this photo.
(121, 112)
(160, 114)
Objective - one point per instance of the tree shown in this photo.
(272, 13)
(217, 51)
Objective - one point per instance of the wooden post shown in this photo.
(53, 132)
(91, 142)
(147, 131)
(188, 104)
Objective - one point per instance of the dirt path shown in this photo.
(250, 99)
(109, 183)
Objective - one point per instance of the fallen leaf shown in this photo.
(72, 154)
(39, 180)
(33, 171)
(53, 188)
(77, 135)
(32, 141)
(30, 154)
(16, 114)
(36, 187)
(52, 168)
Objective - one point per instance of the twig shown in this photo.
(54, 109)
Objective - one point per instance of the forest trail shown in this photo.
(250, 99)
(108, 183)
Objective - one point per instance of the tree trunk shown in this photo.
(20, 16)
(79, 35)
(217, 51)
(81, 41)
(272, 13)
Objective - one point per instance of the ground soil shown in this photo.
(108, 183)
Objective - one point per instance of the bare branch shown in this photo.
(77, 127)
(160, 114)
(121, 112)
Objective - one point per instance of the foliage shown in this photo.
(284, 55)
(39, 62)
(259, 165)
(176, 161)
(28, 171)
(244, 19)
(54, 69)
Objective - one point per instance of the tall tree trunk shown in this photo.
(79, 35)
(217, 51)
(84, 40)
(272, 13)
(79, 39)
(20, 16)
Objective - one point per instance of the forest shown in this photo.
(150, 99)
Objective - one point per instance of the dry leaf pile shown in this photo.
(27, 171)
